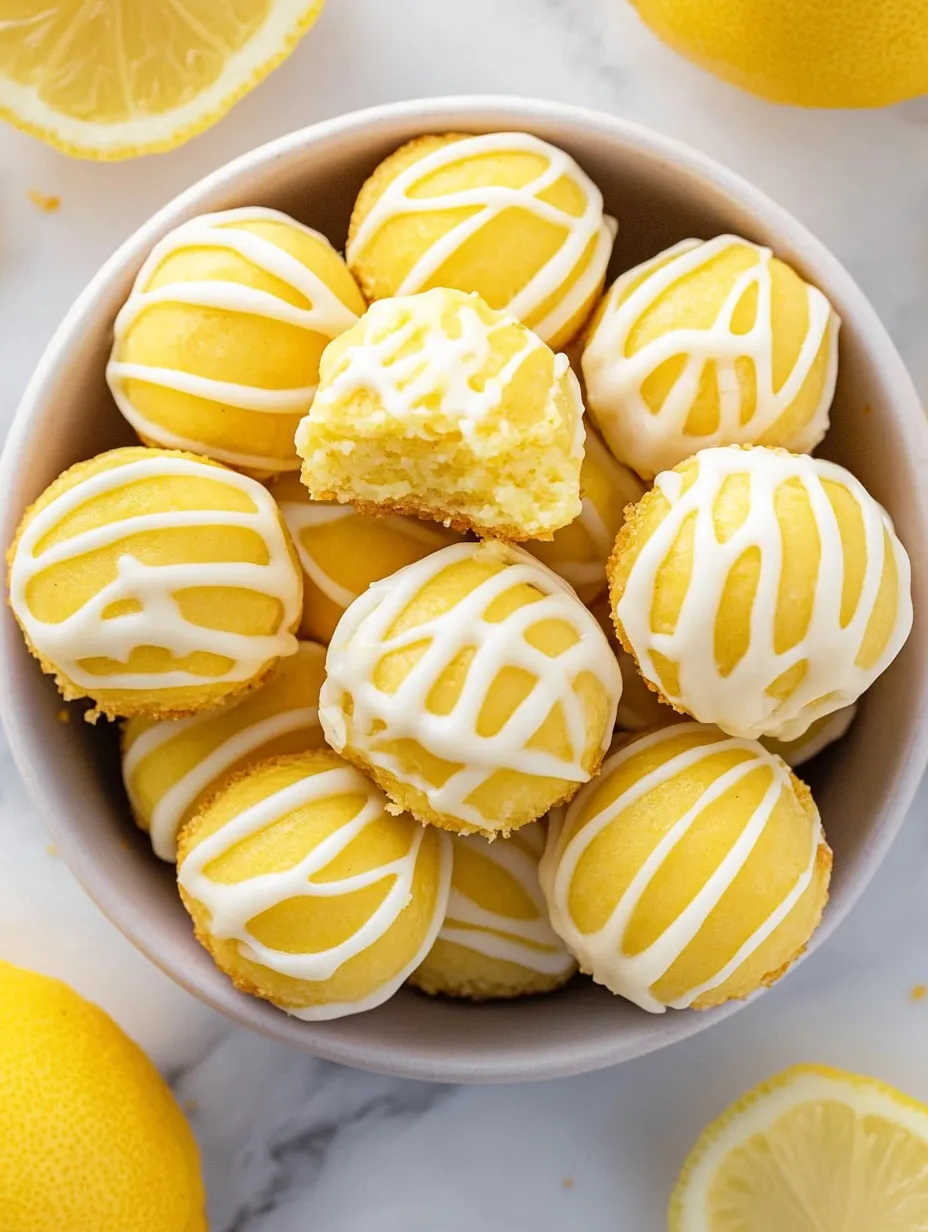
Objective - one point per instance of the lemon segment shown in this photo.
(103, 79)
(813, 1149)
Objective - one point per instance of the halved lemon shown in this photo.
(111, 79)
(812, 1150)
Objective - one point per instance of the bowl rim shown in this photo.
(481, 111)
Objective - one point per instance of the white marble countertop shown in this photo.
(289, 1142)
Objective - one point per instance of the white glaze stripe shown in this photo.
(85, 634)
(361, 640)
(738, 702)
(168, 813)
(326, 315)
(615, 379)
(633, 976)
(232, 906)
(530, 943)
(491, 200)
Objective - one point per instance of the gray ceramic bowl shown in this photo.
(661, 192)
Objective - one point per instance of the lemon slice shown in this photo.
(111, 79)
(811, 1150)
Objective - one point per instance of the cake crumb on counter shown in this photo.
(47, 203)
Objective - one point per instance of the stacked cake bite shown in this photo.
(445, 784)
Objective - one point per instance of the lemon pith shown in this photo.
(813, 1149)
(73, 81)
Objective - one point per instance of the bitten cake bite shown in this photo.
(760, 590)
(156, 583)
(217, 348)
(473, 686)
(343, 551)
(692, 871)
(578, 552)
(496, 941)
(170, 767)
(307, 892)
(438, 406)
(710, 343)
(504, 214)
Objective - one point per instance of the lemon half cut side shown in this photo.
(813, 1149)
(107, 79)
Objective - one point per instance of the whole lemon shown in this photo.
(91, 1139)
(830, 53)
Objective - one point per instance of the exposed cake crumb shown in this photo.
(567, 1183)
(52, 850)
(918, 993)
(64, 716)
(42, 201)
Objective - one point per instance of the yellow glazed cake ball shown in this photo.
(170, 767)
(473, 686)
(154, 582)
(579, 552)
(439, 406)
(710, 343)
(760, 590)
(639, 705)
(217, 348)
(496, 940)
(343, 551)
(692, 871)
(815, 739)
(307, 891)
(503, 214)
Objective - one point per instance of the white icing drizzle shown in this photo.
(817, 738)
(85, 634)
(405, 377)
(303, 515)
(652, 442)
(361, 640)
(231, 907)
(602, 953)
(327, 315)
(488, 201)
(531, 943)
(738, 702)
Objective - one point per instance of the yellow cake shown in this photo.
(760, 590)
(306, 891)
(579, 551)
(692, 871)
(710, 343)
(439, 406)
(170, 767)
(473, 686)
(503, 214)
(155, 582)
(343, 551)
(217, 348)
(496, 941)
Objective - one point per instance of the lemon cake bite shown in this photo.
(496, 941)
(217, 348)
(155, 582)
(760, 590)
(343, 551)
(438, 406)
(713, 342)
(170, 767)
(692, 871)
(503, 214)
(473, 686)
(307, 892)
(578, 552)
